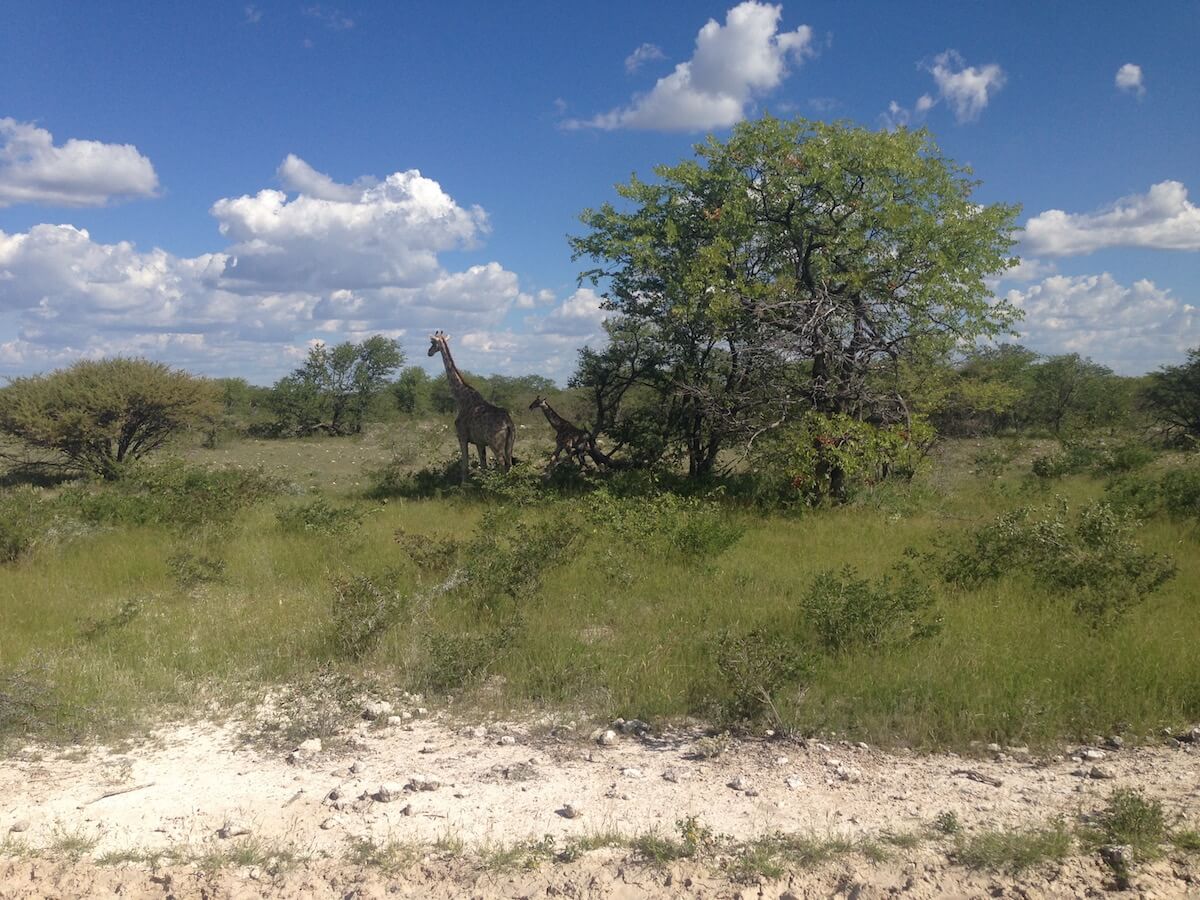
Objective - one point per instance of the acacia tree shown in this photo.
(1172, 396)
(334, 387)
(793, 266)
(102, 415)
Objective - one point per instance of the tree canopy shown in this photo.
(103, 414)
(791, 268)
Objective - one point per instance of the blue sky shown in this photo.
(218, 185)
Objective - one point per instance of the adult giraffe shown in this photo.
(478, 422)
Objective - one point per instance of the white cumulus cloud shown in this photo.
(1129, 79)
(966, 88)
(733, 63)
(1163, 218)
(643, 54)
(1130, 328)
(77, 173)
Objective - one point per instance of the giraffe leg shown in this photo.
(482, 457)
(465, 458)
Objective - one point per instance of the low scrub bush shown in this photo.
(1096, 457)
(26, 520)
(754, 668)
(129, 610)
(1014, 851)
(319, 516)
(433, 554)
(364, 609)
(1090, 556)
(666, 524)
(1181, 493)
(509, 562)
(847, 612)
(454, 660)
(1129, 818)
(173, 494)
(191, 569)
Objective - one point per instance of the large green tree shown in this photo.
(1172, 396)
(102, 415)
(793, 267)
(336, 385)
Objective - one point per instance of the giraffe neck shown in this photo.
(557, 422)
(463, 392)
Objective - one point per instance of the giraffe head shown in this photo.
(539, 400)
(437, 341)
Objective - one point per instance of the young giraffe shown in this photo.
(478, 422)
(571, 438)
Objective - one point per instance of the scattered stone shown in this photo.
(675, 776)
(1114, 742)
(376, 709)
(607, 738)
(993, 748)
(1118, 857)
(423, 783)
(356, 767)
(740, 783)
(570, 811)
(338, 793)
(844, 772)
(388, 792)
(426, 748)
(795, 782)
(1099, 773)
(862, 746)
(781, 760)
(19, 826)
(312, 745)
(1091, 755)
(326, 824)
(631, 726)
(395, 721)
(406, 809)
(421, 711)
(507, 741)
(232, 829)
(479, 731)
(633, 772)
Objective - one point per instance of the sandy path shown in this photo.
(506, 785)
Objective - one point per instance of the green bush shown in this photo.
(1090, 557)
(1135, 494)
(363, 610)
(665, 524)
(848, 612)
(190, 568)
(26, 519)
(754, 668)
(509, 562)
(435, 554)
(1181, 492)
(319, 516)
(171, 493)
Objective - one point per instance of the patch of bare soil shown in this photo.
(232, 819)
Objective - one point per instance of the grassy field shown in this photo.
(514, 597)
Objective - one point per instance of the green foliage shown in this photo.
(171, 493)
(454, 660)
(364, 609)
(1176, 492)
(190, 568)
(1181, 492)
(1131, 819)
(508, 563)
(754, 668)
(1014, 851)
(695, 839)
(1089, 455)
(26, 519)
(103, 415)
(1090, 557)
(947, 823)
(833, 455)
(1069, 392)
(336, 385)
(1172, 398)
(319, 516)
(412, 391)
(435, 554)
(848, 612)
(665, 524)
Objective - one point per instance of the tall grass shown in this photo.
(100, 634)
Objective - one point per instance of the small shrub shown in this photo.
(1135, 495)
(319, 516)
(1090, 557)
(754, 668)
(455, 660)
(1123, 458)
(435, 554)
(666, 524)
(509, 563)
(25, 521)
(191, 569)
(25, 698)
(848, 612)
(1181, 493)
(1131, 819)
(363, 610)
(947, 823)
(129, 610)
(1014, 851)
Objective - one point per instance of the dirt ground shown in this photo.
(462, 794)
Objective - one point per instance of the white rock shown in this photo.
(507, 741)
(376, 709)
(795, 782)
(740, 783)
(421, 711)
(423, 783)
(570, 811)
(633, 772)
(1093, 755)
(357, 766)
(232, 829)
(326, 824)
(389, 791)
(394, 721)
(479, 731)
(781, 760)
(607, 738)
(312, 745)
(19, 826)
(676, 775)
